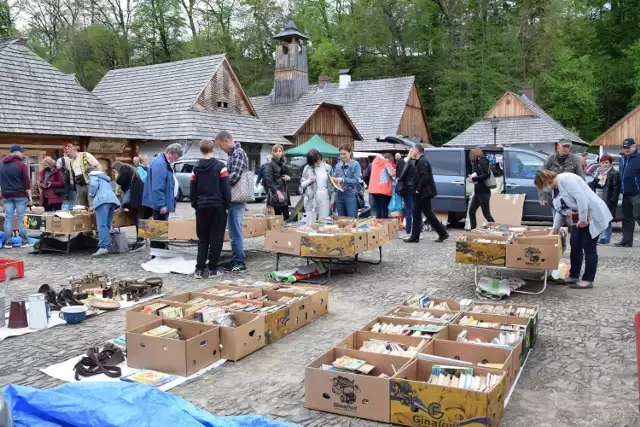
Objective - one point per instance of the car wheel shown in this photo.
(180, 195)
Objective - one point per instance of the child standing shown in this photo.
(210, 197)
(105, 203)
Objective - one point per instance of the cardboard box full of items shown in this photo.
(154, 230)
(480, 248)
(538, 253)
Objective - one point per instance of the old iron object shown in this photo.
(18, 314)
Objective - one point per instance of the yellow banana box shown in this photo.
(332, 245)
(416, 403)
(151, 229)
(470, 251)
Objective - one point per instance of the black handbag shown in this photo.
(401, 189)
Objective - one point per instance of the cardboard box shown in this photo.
(285, 241)
(251, 227)
(356, 339)
(36, 222)
(475, 354)
(392, 226)
(415, 403)
(470, 252)
(454, 305)
(344, 393)
(81, 222)
(402, 321)
(300, 312)
(533, 321)
(277, 324)
(154, 230)
(319, 299)
(275, 222)
(505, 209)
(332, 245)
(384, 235)
(182, 230)
(199, 347)
(538, 253)
(246, 338)
(373, 238)
(406, 312)
(122, 219)
(254, 293)
(525, 325)
(451, 332)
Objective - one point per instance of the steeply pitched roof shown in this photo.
(374, 106)
(538, 129)
(36, 98)
(626, 127)
(159, 98)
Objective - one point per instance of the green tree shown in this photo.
(158, 26)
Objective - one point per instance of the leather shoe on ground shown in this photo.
(411, 240)
(442, 238)
(623, 245)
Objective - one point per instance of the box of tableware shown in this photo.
(374, 342)
(431, 314)
(428, 393)
(462, 353)
(483, 249)
(351, 383)
(240, 333)
(173, 346)
(423, 329)
(529, 312)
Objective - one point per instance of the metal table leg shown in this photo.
(544, 287)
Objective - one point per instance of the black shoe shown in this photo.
(622, 245)
(411, 240)
(213, 273)
(442, 238)
(198, 274)
(137, 246)
(235, 268)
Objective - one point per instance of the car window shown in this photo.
(184, 167)
(444, 162)
(523, 165)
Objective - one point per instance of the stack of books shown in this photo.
(470, 321)
(152, 378)
(153, 309)
(505, 339)
(230, 293)
(215, 316)
(444, 318)
(299, 291)
(459, 377)
(170, 312)
(504, 310)
(392, 348)
(422, 331)
(349, 364)
(164, 331)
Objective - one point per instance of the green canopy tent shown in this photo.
(326, 149)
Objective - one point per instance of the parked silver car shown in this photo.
(182, 170)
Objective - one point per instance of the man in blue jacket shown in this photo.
(630, 183)
(159, 187)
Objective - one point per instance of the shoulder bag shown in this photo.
(242, 192)
(491, 181)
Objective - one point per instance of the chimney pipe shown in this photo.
(345, 79)
(528, 92)
(322, 82)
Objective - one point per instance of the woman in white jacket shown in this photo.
(589, 216)
(316, 185)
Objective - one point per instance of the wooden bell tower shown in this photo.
(292, 71)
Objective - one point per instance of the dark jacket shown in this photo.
(425, 185)
(610, 191)
(128, 178)
(572, 164)
(367, 174)
(629, 173)
(261, 174)
(210, 185)
(408, 176)
(273, 177)
(14, 177)
(482, 171)
(55, 180)
(400, 165)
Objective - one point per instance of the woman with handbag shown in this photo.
(276, 178)
(132, 185)
(606, 185)
(52, 186)
(589, 215)
(481, 193)
(316, 185)
(349, 174)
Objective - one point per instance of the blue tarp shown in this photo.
(109, 404)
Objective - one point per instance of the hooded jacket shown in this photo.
(382, 173)
(14, 177)
(55, 180)
(210, 185)
(100, 189)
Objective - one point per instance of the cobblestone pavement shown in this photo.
(581, 373)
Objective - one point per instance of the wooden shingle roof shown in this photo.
(374, 106)
(537, 128)
(160, 99)
(36, 98)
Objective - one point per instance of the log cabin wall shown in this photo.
(414, 122)
(627, 127)
(330, 124)
(509, 106)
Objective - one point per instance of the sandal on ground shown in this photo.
(582, 285)
(568, 281)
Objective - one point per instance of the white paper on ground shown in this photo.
(178, 265)
(64, 372)
(55, 320)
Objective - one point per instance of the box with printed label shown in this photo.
(300, 310)
(416, 403)
(350, 394)
(332, 245)
(154, 230)
(489, 250)
(198, 347)
(538, 253)
(37, 222)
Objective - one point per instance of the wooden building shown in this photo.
(375, 108)
(44, 109)
(627, 127)
(187, 101)
(518, 121)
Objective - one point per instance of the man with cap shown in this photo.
(80, 164)
(562, 161)
(630, 183)
(16, 189)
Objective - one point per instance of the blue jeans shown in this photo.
(236, 212)
(17, 205)
(104, 218)
(70, 199)
(347, 205)
(408, 211)
(606, 234)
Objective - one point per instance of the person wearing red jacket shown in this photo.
(51, 178)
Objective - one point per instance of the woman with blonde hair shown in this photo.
(276, 178)
(481, 192)
(142, 167)
(589, 216)
(52, 187)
